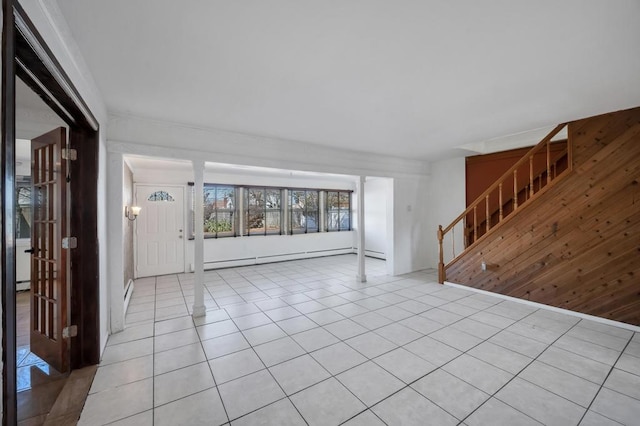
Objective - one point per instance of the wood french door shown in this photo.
(49, 290)
(159, 230)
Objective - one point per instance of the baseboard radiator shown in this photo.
(258, 260)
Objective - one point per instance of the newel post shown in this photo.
(441, 276)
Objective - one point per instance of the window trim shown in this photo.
(306, 211)
(247, 232)
(339, 210)
(234, 212)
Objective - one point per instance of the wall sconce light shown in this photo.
(132, 212)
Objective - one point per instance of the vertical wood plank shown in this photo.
(515, 189)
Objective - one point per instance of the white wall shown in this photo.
(256, 249)
(377, 192)
(446, 201)
(134, 135)
(411, 234)
(185, 174)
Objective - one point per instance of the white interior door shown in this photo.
(159, 230)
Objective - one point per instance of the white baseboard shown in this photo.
(376, 254)
(550, 308)
(275, 258)
(128, 291)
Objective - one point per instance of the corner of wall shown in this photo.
(446, 200)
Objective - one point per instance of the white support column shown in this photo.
(115, 243)
(285, 212)
(362, 277)
(199, 309)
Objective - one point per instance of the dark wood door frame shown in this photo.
(26, 55)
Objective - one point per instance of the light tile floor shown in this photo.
(302, 342)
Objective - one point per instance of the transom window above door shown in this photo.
(160, 196)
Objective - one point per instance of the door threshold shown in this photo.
(68, 406)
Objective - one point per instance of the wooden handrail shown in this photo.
(512, 173)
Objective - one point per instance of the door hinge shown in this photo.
(69, 154)
(71, 331)
(69, 243)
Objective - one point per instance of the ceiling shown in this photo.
(408, 78)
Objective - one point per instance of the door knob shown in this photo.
(31, 250)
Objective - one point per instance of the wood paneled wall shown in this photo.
(577, 246)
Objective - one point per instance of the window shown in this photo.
(219, 211)
(303, 207)
(273, 209)
(23, 210)
(232, 211)
(263, 211)
(338, 211)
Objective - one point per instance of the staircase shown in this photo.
(476, 224)
(562, 226)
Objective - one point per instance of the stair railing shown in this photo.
(508, 180)
(542, 176)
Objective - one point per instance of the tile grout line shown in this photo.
(613, 366)
(331, 375)
(371, 360)
(525, 367)
(510, 380)
(409, 385)
(215, 382)
(152, 362)
(289, 336)
(306, 353)
(270, 374)
(406, 385)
